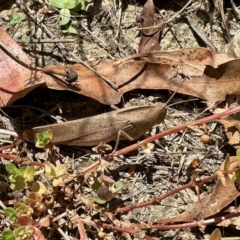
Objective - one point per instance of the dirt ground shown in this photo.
(107, 30)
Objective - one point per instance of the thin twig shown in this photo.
(46, 40)
(61, 232)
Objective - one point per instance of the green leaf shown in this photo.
(22, 208)
(227, 162)
(118, 185)
(80, 6)
(65, 16)
(70, 29)
(43, 138)
(99, 200)
(28, 174)
(68, 4)
(96, 185)
(57, 3)
(72, 4)
(11, 168)
(11, 214)
(8, 235)
(17, 18)
(19, 231)
(21, 172)
(238, 155)
(60, 169)
(18, 183)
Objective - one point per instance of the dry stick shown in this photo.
(46, 40)
(173, 130)
(235, 9)
(168, 21)
(61, 232)
(71, 53)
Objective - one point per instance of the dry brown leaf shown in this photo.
(211, 204)
(207, 75)
(149, 38)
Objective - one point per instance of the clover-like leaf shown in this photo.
(17, 18)
(8, 235)
(38, 187)
(60, 169)
(49, 170)
(11, 213)
(70, 29)
(65, 16)
(43, 138)
(11, 168)
(118, 186)
(17, 182)
(28, 174)
(68, 4)
(99, 200)
(57, 181)
(23, 209)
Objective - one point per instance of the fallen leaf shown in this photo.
(211, 204)
(150, 39)
(216, 235)
(206, 74)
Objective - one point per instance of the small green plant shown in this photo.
(236, 175)
(65, 14)
(43, 139)
(105, 190)
(19, 176)
(20, 233)
(55, 173)
(19, 209)
(17, 18)
(11, 213)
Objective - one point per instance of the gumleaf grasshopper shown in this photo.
(90, 131)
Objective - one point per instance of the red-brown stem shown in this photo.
(173, 130)
(161, 226)
(6, 147)
(113, 228)
(82, 231)
(9, 157)
(188, 225)
(159, 199)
